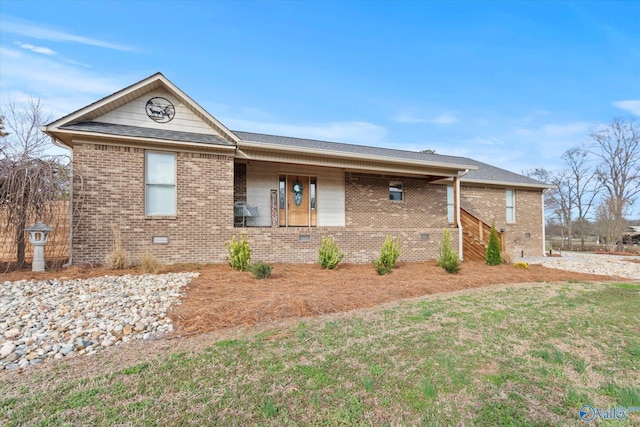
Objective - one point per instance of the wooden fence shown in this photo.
(57, 246)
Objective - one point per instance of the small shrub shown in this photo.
(381, 268)
(149, 264)
(521, 264)
(260, 270)
(493, 250)
(447, 258)
(389, 254)
(117, 259)
(329, 254)
(239, 253)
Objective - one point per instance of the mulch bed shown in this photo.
(222, 297)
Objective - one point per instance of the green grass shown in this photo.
(524, 355)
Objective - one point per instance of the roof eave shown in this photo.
(124, 138)
(354, 156)
(508, 183)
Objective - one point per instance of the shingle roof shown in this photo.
(485, 173)
(142, 132)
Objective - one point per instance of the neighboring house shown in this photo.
(178, 184)
(632, 236)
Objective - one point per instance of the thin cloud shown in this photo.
(61, 86)
(40, 32)
(631, 106)
(349, 132)
(444, 119)
(36, 49)
(566, 129)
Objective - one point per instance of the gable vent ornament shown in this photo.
(160, 109)
(297, 190)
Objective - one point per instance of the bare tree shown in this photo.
(560, 200)
(565, 201)
(608, 223)
(30, 183)
(2, 132)
(582, 177)
(617, 146)
(23, 123)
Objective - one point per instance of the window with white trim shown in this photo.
(511, 205)
(160, 183)
(450, 204)
(396, 191)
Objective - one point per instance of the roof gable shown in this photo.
(128, 107)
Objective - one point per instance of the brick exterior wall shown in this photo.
(370, 217)
(525, 235)
(208, 184)
(368, 205)
(240, 182)
(113, 195)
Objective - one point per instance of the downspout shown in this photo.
(62, 145)
(459, 222)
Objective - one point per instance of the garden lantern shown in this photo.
(38, 235)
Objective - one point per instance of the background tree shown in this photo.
(30, 181)
(581, 177)
(23, 123)
(617, 147)
(2, 132)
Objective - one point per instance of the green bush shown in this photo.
(329, 254)
(447, 258)
(239, 253)
(260, 270)
(389, 254)
(493, 250)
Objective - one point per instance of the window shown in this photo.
(283, 183)
(450, 204)
(160, 183)
(511, 206)
(312, 193)
(396, 192)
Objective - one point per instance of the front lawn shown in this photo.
(514, 355)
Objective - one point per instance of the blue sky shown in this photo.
(514, 84)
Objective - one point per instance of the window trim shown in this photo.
(147, 184)
(510, 213)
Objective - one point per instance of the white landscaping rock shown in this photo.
(608, 265)
(43, 321)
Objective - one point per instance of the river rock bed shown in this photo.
(608, 265)
(53, 319)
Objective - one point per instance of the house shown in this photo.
(631, 236)
(178, 184)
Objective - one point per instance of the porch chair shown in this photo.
(242, 211)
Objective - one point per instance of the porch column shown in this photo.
(456, 215)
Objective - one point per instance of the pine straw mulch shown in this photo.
(223, 298)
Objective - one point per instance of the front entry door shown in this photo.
(297, 200)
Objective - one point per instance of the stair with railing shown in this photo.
(475, 236)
